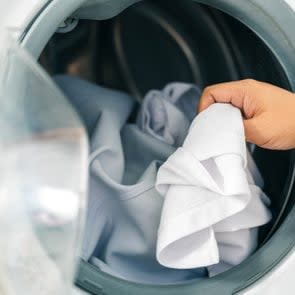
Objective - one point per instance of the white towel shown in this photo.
(167, 114)
(213, 204)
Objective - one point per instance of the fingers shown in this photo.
(236, 93)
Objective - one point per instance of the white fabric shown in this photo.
(167, 114)
(213, 204)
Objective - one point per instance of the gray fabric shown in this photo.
(167, 114)
(123, 208)
(89, 100)
(86, 99)
(131, 214)
(140, 150)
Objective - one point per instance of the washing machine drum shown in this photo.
(208, 41)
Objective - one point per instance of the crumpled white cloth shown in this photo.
(167, 114)
(213, 202)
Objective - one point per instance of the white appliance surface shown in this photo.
(15, 15)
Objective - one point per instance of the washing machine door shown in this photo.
(43, 167)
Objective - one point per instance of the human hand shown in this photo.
(268, 111)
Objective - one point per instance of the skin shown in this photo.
(268, 111)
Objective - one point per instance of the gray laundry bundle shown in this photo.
(124, 208)
(167, 114)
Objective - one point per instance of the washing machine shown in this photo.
(134, 46)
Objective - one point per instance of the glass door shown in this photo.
(43, 178)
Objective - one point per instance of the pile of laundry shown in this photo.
(172, 196)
